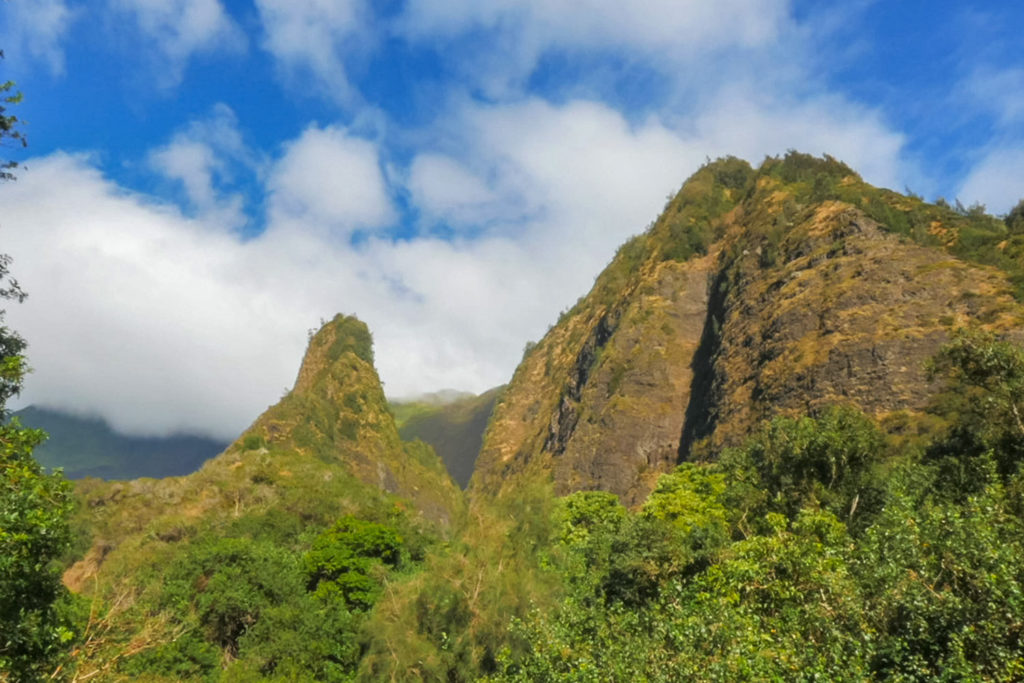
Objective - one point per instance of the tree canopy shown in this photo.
(34, 505)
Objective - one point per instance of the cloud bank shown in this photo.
(160, 319)
(457, 220)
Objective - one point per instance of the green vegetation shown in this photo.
(770, 561)
(267, 563)
(450, 621)
(352, 336)
(758, 567)
(984, 400)
(36, 611)
(1015, 219)
(829, 462)
(276, 580)
(277, 610)
(329, 543)
(967, 233)
(692, 219)
(343, 559)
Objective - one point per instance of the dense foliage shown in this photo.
(34, 506)
(764, 566)
(35, 622)
(265, 599)
(823, 548)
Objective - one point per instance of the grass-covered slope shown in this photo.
(453, 426)
(596, 403)
(818, 550)
(270, 555)
(89, 447)
(337, 413)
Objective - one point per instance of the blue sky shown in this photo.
(207, 179)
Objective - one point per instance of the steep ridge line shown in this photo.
(756, 293)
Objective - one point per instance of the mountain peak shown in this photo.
(757, 292)
(344, 337)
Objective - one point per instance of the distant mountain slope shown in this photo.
(453, 424)
(89, 447)
(757, 292)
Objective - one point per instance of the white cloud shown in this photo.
(584, 176)
(445, 190)
(314, 36)
(581, 172)
(995, 170)
(157, 320)
(195, 166)
(36, 29)
(134, 312)
(728, 78)
(997, 180)
(1000, 91)
(333, 180)
(178, 29)
(191, 163)
(507, 38)
(201, 158)
(672, 26)
(219, 130)
(160, 322)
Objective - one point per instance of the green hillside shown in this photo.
(842, 376)
(757, 292)
(453, 425)
(89, 447)
(268, 559)
(780, 439)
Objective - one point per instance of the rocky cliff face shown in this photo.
(849, 313)
(756, 293)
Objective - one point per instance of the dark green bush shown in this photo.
(344, 559)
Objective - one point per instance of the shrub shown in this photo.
(343, 560)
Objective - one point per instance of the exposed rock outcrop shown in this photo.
(755, 293)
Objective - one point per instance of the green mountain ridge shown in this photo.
(775, 441)
(90, 447)
(776, 382)
(319, 479)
